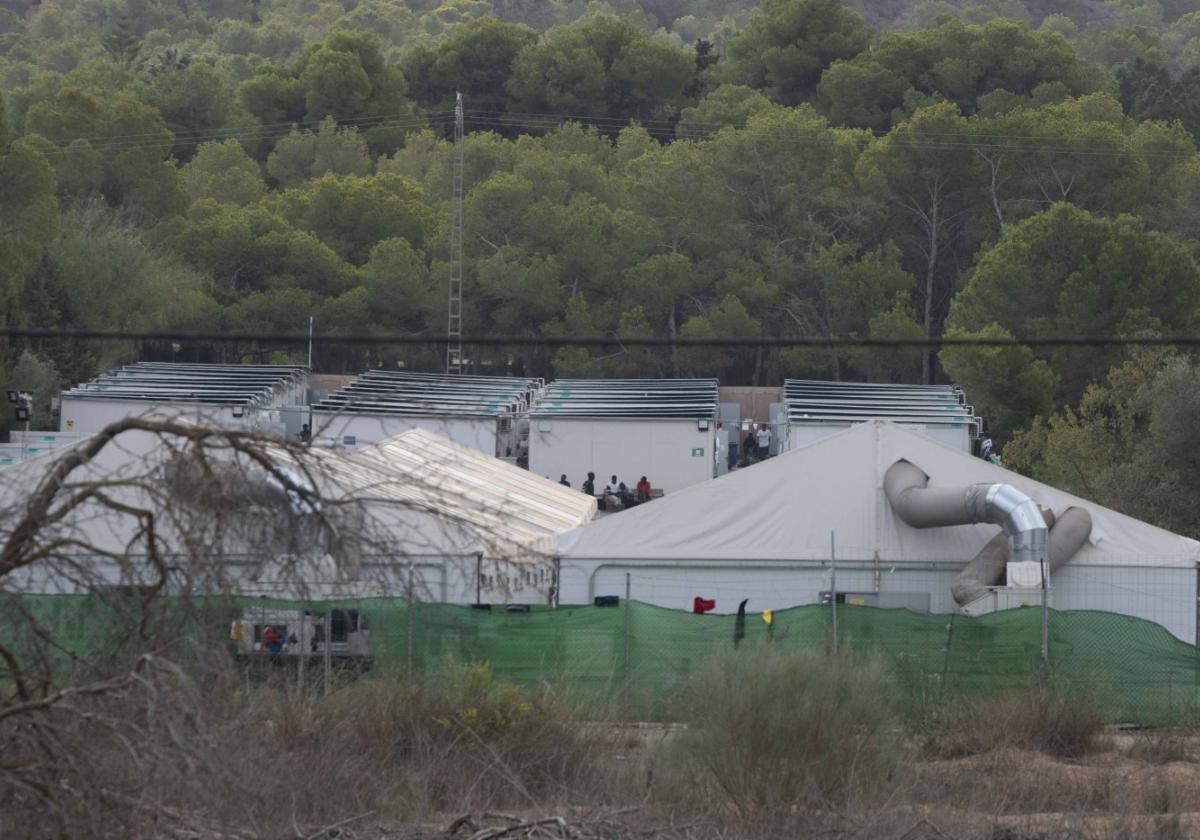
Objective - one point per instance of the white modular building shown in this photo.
(770, 533)
(664, 429)
(227, 396)
(816, 409)
(485, 413)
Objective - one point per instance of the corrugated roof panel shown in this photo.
(436, 395)
(628, 398)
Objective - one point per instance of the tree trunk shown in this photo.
(835, 363)
(674, 348)
(930, 279)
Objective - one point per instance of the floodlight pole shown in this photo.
(454, 359)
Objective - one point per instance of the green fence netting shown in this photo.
(636, 658)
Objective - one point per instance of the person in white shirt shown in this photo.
(764, 441)
(612, 487)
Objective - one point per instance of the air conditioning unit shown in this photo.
(1007, 598)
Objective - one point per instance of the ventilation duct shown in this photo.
(1025, 526)
(1068, 533)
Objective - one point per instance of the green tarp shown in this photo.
(637, 661)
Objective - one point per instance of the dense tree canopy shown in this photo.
(721, 168)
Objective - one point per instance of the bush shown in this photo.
(778, 732)
(1053, 719)
(454, 739)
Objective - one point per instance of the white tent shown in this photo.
(764, 533)
(463, 524)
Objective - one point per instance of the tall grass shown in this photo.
(775, 734)
(409, 750)
(1052, 718)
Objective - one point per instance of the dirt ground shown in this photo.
(1134, 785)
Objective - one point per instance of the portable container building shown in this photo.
(816, 409)
(229, 396)
(482, 412)
(664, 429)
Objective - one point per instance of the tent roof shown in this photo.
(427, 496)
(438, 497)
(786, 507)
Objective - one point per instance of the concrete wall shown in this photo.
(661, 450)
(1166, 596)
(475, 432)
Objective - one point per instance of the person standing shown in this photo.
(643, 490)
(764, 441)
(563, 481)
(749, 448)
(589, 485)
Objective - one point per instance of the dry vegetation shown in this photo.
(775, 744)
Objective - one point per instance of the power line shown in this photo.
(921, 138)
(604, 341)
(246, 133)
(968, 140)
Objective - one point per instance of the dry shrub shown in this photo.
(456, 740)
(777, 734)
(169, 752)
(1162, 746)
(112, 760)
(1048, 718)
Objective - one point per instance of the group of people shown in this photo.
(614, 490)
(987, 451)
(757, 444)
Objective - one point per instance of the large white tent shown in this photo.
(420, 512)
(765, 533)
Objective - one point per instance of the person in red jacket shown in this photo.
(643, 490)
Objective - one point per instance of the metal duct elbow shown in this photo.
(1021, 519)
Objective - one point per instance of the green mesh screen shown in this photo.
(635, 658)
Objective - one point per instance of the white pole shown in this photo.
(310, 332)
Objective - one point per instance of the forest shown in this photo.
(635, 168)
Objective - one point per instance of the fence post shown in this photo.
(328, 647)
(625, 688)
(833, 587)
(1045, 614)
(301, 664)
(408, 647)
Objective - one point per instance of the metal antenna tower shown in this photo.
(454, 360)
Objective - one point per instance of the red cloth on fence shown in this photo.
(702, 605)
